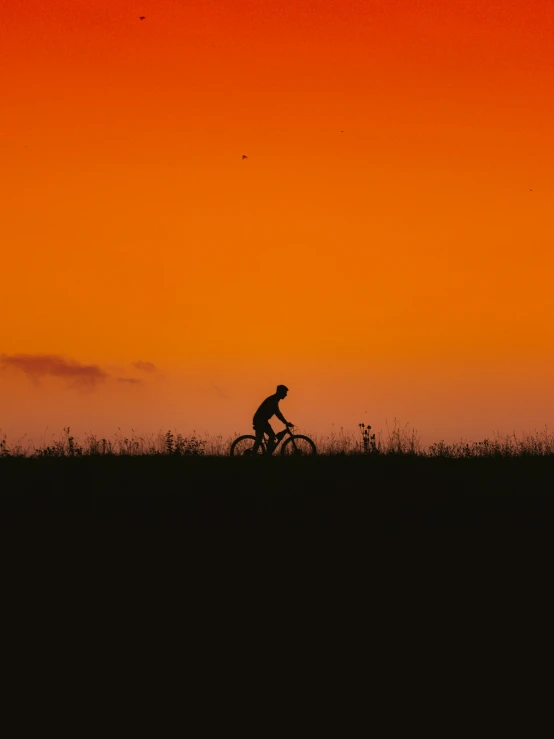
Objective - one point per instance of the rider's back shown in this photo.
(267, 408)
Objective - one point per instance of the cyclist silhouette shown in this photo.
(248, 445)
(269, 408)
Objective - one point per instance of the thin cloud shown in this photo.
(38, 366)
(130, 380)
(145, 366)
(219, 392)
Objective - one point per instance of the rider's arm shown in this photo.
(281, 417)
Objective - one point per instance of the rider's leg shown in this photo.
(259, 431)
(272, 443)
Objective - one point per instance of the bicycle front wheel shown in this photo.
(244, 446)
(298, 446)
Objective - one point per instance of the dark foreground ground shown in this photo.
(174, 496)
(356, 538)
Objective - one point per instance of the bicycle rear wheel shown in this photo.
(244, 446)
(298, 446)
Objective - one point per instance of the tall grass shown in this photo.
(167, 443)
(395, 441)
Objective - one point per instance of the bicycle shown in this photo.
(296, 445)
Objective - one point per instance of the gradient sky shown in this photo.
(386, 250)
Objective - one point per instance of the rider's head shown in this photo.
(282, 391)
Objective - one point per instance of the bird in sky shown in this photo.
(142, 17)
(244, 156)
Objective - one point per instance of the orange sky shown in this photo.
(386, 249)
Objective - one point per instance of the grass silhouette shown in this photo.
(381, 482)
(398, 441)
(355, 479)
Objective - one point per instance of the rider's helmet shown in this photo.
(282, 389)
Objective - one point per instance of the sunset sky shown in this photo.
(386, 249)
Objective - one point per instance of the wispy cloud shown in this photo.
(145, 366)
(37, 366)
(220, 392)
(130, 380)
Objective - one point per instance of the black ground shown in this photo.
(392, 541)
(379, 495)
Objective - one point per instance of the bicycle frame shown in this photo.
(280, 436)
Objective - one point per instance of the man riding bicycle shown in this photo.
(269, 408)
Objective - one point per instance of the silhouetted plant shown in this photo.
(98, 446)
(73, 449)
(440, 449)
(368, 440)
(185, 446)
(169, 445)
(401, 441)
(178, 445)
